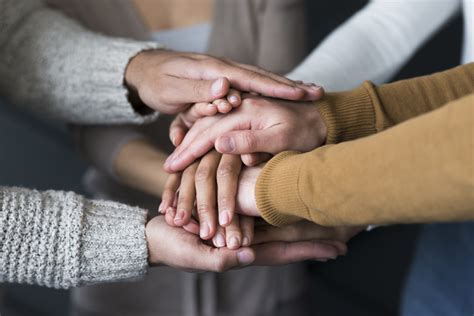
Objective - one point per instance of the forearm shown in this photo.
(375, 43)
(419, 171)
(370, 109)
(139, 164)
(51, 65)
(61, 240)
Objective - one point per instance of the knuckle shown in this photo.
(202, 209)
(197, 89)
(225, 171)
(203, 174)
(248, 140)
(213, 63)
(220, 265)
(224, 202)
(183, 202)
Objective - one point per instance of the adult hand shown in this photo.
(169, 81)
(176, 247)
(305, 231)
(208, 186)
(308, 234)
(259, 125)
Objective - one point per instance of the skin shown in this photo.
(170, 82)
(178, 248)
(258, 125)
(182, 247)
(209, 186)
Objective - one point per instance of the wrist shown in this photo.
(312, 130)
(153, 255)
(135, 75)
(320, 128)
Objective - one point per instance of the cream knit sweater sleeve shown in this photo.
(60, 239)
(55, 67)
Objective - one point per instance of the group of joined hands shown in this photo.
(231, 119)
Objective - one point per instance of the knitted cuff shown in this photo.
(349, 115)
(59, 239)
(276, 191)
(113, 243)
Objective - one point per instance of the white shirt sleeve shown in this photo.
(375, 43)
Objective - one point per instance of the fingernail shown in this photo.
(170, 211)
(168, 161)
(204, 231)
(179, 217)
(315, 88)
(217, 86)
(234, 243)
(233, 99)
(160, 208)
(245, 241)
(245, 257)
(224, 218)
(227, 144)
(219, 241)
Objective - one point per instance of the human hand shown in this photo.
(169, 81)
(258, 125)
(176, 247)
(305, 231)
(211, 184)
(307, 234)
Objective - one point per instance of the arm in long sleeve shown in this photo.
(370, 109)
(375, 43)
(51, 65)
(421, 170)
(126, 154)
(60, 239)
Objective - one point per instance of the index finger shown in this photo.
(253, 81)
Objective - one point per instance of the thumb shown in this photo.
(223, 259)
(249, 141)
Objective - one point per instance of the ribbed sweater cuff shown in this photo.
(349, 115)
(59, 239)
(276, 190)
(113, 243)
(109, 76)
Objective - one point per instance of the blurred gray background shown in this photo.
(40, 154)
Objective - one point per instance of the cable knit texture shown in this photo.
(60, 239)
(55, 67)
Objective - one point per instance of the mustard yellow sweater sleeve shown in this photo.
(369, 109)
(421, 170)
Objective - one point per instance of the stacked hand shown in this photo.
(206, 196)
(201, 227)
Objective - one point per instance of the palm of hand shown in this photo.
(178, 248)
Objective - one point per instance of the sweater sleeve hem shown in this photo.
(349, 115)
(276, 191)
(113, 242)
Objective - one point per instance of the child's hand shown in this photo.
(209, 185)
(184, 120)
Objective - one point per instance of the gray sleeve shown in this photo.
(53, 66)
(60, 239)
(100, 145)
